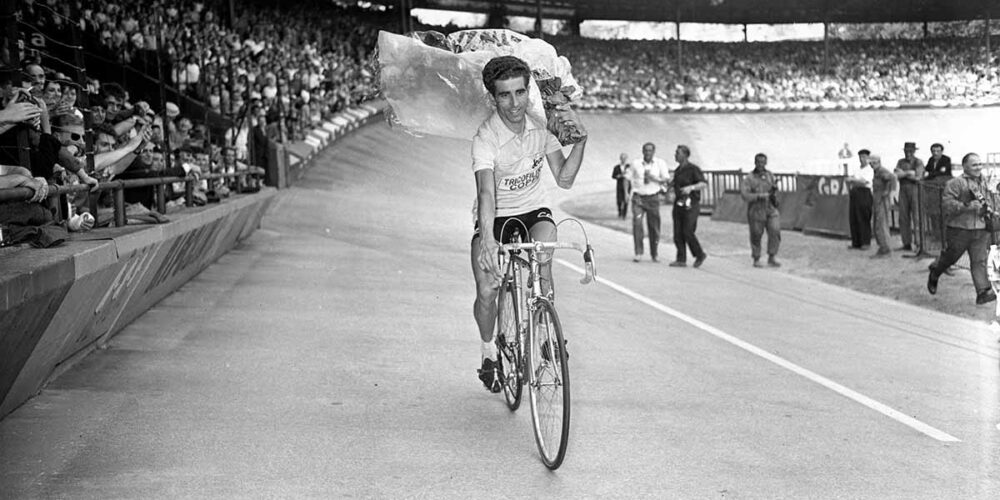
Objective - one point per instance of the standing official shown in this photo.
(688, 183)
(909, 170)
(621, 185)
(647, 178)
(760, 190)
(968, 205)
(860, 202)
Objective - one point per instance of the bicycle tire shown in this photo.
(548, 384)
(508, 343)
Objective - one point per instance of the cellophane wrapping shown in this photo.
(433, 82)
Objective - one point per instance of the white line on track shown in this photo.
(784, 363)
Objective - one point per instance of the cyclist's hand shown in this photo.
(488, 256)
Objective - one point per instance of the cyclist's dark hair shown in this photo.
(502, 68)
(965, 159)
(864, 152)
(759, 155)
(937, 145)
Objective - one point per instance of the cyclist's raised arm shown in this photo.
(565, 169)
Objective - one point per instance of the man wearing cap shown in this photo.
(172, 111)
(968, 204)
(883, 184)
(909, 170)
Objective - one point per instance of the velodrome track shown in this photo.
(333, 355)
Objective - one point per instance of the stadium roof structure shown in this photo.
(734, 11)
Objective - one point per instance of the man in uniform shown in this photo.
(759, 189)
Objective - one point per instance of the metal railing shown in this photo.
(58, 197)
(723, 181)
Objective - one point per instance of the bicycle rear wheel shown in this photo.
(548, 384)
(508, 343)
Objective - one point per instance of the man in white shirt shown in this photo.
(860, 205)
(647, 177)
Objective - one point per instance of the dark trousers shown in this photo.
(958, 241)
(622, 201)
(772, 226)
(647, 207)
(685, 224)
(861, 217)
(881, 218)
(909, 213)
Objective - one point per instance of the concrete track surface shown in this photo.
(333, 355)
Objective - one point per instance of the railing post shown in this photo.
(53, 203)
(161, 198)
(189, 193)
(120, 218)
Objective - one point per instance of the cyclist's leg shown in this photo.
(544, 229)
(485, 312)
(485, 307)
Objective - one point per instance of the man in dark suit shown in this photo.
(621, 186)
(936, 174)
(938, 165)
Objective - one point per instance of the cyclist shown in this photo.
(507, 156)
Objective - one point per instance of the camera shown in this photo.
(985, 210)
(772, 196)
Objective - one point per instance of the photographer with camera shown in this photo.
(760, 190)
(969, 208)
(688, 182)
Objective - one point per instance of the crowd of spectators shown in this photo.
(619, 74)
(301, 61)
(273, 70)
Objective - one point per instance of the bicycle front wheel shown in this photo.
(548, 384)
(509, 344)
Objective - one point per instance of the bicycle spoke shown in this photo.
(549, 386)
(508, 334)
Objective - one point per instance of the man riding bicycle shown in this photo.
(507, 156)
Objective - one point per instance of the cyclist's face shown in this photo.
(512, 99)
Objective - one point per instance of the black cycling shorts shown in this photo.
(521, 222)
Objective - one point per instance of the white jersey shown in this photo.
(516, 161)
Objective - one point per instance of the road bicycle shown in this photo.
(531, 343)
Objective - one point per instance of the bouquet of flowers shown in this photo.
(433, 83)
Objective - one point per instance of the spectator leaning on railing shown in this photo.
(20, 113)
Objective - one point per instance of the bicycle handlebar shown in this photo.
(538, 246)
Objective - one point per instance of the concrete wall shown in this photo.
(57, 304)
